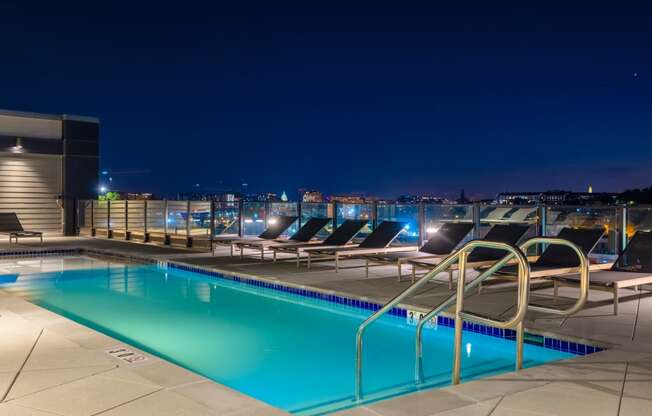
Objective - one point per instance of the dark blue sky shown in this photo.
(383, 99)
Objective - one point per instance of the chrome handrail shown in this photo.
(584, 292)
(462, 288)
(583, 270)
(461, 257)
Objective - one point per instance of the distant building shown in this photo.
(417, 199)
(310, 196)
(136, 196)
(348, 199)
(556, 197)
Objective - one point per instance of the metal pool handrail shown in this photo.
(583, 270)
(584, 291)
(461, 257)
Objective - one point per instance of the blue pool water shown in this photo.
(292, 352)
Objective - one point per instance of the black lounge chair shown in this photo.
(306, 233)
(10, 225)
(557, 259)
(272, 232)
(632, 269)
(441, 244)
(340, 237)
(376, 243)
(481, 256)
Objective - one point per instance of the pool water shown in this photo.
(292, 352)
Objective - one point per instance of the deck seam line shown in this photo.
(622, 389)
(638, 308)
(127, 402)
(496, 406)
(29, 354)
(62, 384)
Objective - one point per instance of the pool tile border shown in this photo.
(575, 348)
(544, 341)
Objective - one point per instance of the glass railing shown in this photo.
(558, 217)
(318, 210)
(136, 216)
(156, 217)
(356, 212)
(254, 216)
(285, 209)
(435, 215)
(638, 219)
(405, 213)
(193, 218)
(227, 218)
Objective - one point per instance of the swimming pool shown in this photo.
(293, 352)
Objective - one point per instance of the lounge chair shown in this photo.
(272, 232)
(440, 245)
(481, 256)
(306, 233)
(376, 243)
(10, 225)
(632, 269)
(340, 237)
(557, 259)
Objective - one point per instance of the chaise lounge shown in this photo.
(10, 225)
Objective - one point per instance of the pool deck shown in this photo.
(50, 365)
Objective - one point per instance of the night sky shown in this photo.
(385, 99)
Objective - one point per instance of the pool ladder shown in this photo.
(516, 321)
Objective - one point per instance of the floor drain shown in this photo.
(126, 355)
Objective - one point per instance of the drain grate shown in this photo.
(126, 355)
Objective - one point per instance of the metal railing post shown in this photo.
(108, 218)
(126, 217)
(241, 218)
(421, 220)
(93, 217)
(211, 217)
(188, 223)
(165, 217)
(145, 220)
(621, 229)
(268, 209)
(476, 220)
(334, 205)
(299, 212)
(374, 215)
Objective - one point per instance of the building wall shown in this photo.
(29, 186)
(56, 163)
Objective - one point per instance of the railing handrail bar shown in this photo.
(442, 266)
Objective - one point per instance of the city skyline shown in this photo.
(359, 100)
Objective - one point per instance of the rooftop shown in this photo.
(55, 366)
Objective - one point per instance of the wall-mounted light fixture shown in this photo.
(18, 146)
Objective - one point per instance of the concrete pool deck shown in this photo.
(613, 382)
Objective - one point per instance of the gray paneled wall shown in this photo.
(29, 186)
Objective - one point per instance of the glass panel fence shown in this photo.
(254, 218)
(356, 212)
(491, 215)
(318, 210)
(638, 219)
(85, 215)
(156, 217)
(286, 209)
(136, 216)
(118, 215)
(558, 217)
(177, 216)
(200, 218)
(101, 214)
(436, 215)
(227, 218)
(402, 212)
